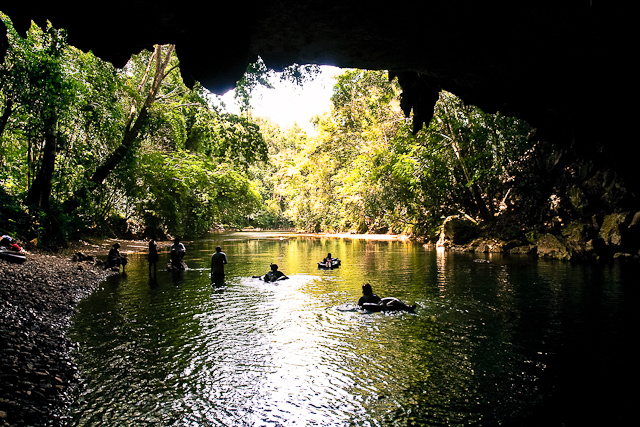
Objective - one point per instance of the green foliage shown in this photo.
(36, 92)
(367, 173)
(184, 165)
(188, 193)
(167, 158)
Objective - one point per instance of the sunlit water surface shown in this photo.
(508, 342)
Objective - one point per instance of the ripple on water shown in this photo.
(483, 348)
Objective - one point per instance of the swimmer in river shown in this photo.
(372, 302)
(273, 275)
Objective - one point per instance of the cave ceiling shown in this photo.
(558, 64)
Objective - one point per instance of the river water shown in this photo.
(512, 341)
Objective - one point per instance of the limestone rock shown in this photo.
(483, 245)
(549, 246)
(613, 228)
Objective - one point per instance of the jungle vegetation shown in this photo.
(90, 149)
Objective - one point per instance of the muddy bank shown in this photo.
(37, 301)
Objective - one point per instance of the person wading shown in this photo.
(153, 255)
(218, 260)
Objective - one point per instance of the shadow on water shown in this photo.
(508, 341)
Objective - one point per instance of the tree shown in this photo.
(144, 97)
(186, 193)
(367, 171)
(33, 76)
(87, 131)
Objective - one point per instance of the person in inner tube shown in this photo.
(328, 260)
(274, 274)
(371, 301)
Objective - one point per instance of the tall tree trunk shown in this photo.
(40, 191)
(4, 119)
(8, 109)
(132, 127)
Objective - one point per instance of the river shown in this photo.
(494, 340)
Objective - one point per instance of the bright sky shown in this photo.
(287, 103)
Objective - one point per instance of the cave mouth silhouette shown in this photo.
(563, 67)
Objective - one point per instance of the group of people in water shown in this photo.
(177, 252)
(368, 301)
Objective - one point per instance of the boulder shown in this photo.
(523, 250)
(81, 256)
(633, 233)
(613, 228)
(485, 245)
(576, 237)
(550, 246)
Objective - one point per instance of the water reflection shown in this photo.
(490, 343)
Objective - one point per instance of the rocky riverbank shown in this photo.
(37, 301)
(606, 238)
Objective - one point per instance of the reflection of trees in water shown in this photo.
(482, 348)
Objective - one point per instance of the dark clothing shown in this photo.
(114, 254)
(218, 260)
(114, 259)
(153, 252)
(272, 276)
(369, 299)
(217, 278)
(177, 253)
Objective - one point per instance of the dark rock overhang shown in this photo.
(561, 65)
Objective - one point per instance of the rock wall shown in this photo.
(565, 67)
(614, 236)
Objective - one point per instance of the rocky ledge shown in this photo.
(37, 301)
(606, 238)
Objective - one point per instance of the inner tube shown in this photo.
(388, 304)
(334, 264)
(11, 256)
(373, 307)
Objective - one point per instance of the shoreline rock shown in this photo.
(37, 301)
(615, 237)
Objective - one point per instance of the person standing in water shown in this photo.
(218, 260)
(177, 252)
(153, 255)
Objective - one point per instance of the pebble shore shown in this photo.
(37, 301)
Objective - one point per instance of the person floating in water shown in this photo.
(274, 274)
(177, 252)
(153, 255)
(372, 302)
(218, 260)
(328, 260)
(115, 259)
